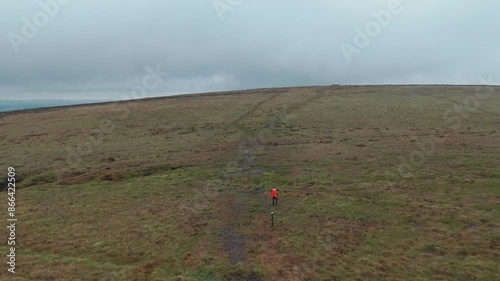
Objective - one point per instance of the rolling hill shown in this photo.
(375, 183)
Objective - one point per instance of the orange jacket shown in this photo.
(274, 192)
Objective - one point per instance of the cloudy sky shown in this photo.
(116, 49)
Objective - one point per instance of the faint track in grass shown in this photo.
(233, 240)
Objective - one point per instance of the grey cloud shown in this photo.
(99, 49)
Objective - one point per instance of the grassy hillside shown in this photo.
(375, 183)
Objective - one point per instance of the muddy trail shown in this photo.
(238, 201)
(234, 241)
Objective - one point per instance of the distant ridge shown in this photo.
(15, 105)
(8, 106)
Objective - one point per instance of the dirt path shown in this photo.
(234, 241)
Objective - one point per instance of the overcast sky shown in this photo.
(101, 49)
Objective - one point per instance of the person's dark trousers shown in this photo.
(275, 199)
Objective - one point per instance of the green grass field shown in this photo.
(375, 183)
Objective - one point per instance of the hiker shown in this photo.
(274, 193)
